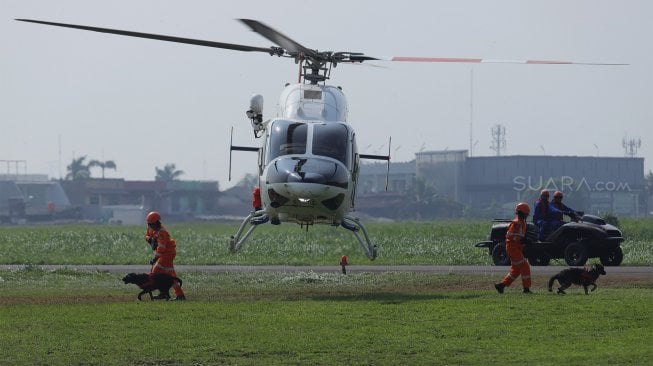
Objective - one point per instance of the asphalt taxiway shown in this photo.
(642, 272)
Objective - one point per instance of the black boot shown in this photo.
(527, 290)
(162, 296)
(499, 287)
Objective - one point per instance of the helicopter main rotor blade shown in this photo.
(495, 61)
(198, 42)
(278, 38)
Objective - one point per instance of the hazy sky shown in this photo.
(66, 93)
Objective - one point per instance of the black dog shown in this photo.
(577, 276)
(149, 282)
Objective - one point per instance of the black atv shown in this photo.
(586, 237)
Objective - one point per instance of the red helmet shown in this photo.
(557, 194)
(523, 208)
(153, 217)
(544, 193)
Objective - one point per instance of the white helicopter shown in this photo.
(308, 161)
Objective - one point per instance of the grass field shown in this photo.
(66, 317)
(435, 243)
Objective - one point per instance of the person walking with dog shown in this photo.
(165, 251)
(515, 250)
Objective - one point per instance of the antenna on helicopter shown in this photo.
(381, 157)
(238, 148)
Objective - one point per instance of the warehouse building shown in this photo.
(597, 185)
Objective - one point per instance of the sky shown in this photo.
(141, 103)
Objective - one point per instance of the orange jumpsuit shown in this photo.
(165, 254)
(515, 250)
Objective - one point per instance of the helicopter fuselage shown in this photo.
(308, 163)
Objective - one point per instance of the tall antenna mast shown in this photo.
(631, 146)
(471, 113)
(60, 176)
(498, 139)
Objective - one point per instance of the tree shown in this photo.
(249, 180)
(648, 183)
(168, 173)
(109, 164)
(648, 193)
(78, 170)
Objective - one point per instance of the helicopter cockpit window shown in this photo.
(331, 140)
(287, 138)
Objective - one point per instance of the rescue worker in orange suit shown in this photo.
(165, 250)
(515, 249)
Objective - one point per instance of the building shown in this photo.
(596, 185)
(32, 196)
(372, 178)
(444, 170)
(104, 199)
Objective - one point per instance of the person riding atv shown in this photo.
(549, 216)
(558, 210)
(586, 237)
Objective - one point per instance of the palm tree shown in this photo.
(168, 173)
(109, 164)
(78, 170)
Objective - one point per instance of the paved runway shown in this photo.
(641, 272)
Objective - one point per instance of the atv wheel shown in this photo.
(500, 256)
(576, 254)
(612, 257)
(541, 260)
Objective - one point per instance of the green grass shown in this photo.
(434, 243)
(67, 317)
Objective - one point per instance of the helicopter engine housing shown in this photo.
(313, 102)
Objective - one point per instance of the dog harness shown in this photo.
(149, 282)
(587, 275)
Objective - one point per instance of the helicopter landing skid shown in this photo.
(354, 225)
(255, 218)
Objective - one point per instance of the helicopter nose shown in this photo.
(308, 170)
(306, 177)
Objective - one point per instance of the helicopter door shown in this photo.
(261, 158)
(355, 162)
